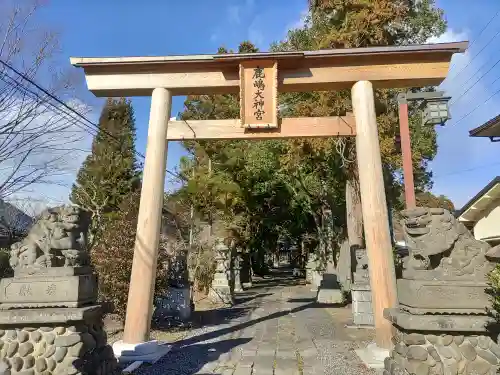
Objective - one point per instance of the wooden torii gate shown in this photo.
(258, 77)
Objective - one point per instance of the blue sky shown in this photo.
(153, 27)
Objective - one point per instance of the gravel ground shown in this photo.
(276, 328)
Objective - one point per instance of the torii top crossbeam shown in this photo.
(385, 67)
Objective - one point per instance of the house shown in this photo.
(482, 213)
(13, 223)
(490, 129)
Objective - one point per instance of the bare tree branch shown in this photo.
(39, 138)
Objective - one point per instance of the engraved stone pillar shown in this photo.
(362, 308)
(237, 272)
(310, 267)
(50, 322)
(220, 292)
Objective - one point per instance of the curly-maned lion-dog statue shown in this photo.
(441, 248)
(57, 239)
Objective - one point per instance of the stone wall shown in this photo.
(428, 353)
(57, 349)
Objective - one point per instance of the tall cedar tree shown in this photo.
(308, 175)
(110, 173)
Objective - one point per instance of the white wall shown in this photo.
(488, 226)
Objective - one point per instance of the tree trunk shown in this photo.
(354, 213)
(346, 265)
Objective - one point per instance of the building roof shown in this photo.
(490, 129)
(473, 209)
(393, 66)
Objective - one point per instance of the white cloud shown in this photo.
(51, 143)
(233, 14)
(300, 22)
(449, 36)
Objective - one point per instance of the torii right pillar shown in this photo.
(375, 215)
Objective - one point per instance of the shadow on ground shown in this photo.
(188, 360)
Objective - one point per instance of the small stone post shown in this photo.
(220, 292)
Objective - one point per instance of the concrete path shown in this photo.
(276, 328)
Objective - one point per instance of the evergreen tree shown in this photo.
(110, 173)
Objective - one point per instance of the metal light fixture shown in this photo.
(436, 111)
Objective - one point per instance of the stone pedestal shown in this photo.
(362, 309)
(442, 344)
(221, 292)
(55, 341)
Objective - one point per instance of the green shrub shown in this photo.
(112, 257)
(494, 281)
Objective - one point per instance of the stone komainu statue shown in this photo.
(50, 320)
(441, 248)
(443, 323)
(57, 239)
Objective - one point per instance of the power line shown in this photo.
(482, 49)
(479, 105)
(59, 101)
(466, 170)
(34, 96)
(475, 83)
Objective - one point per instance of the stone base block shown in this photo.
(149, 352)
(442, 297)
(430, 354)
(48, 291)
(221, 295)
(362, 308)
(177, 303)
(372, 356)
(363, 319)
(330, 296)
(71, 343)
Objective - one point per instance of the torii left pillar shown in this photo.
(136, 345)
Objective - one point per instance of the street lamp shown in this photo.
(435, 112)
